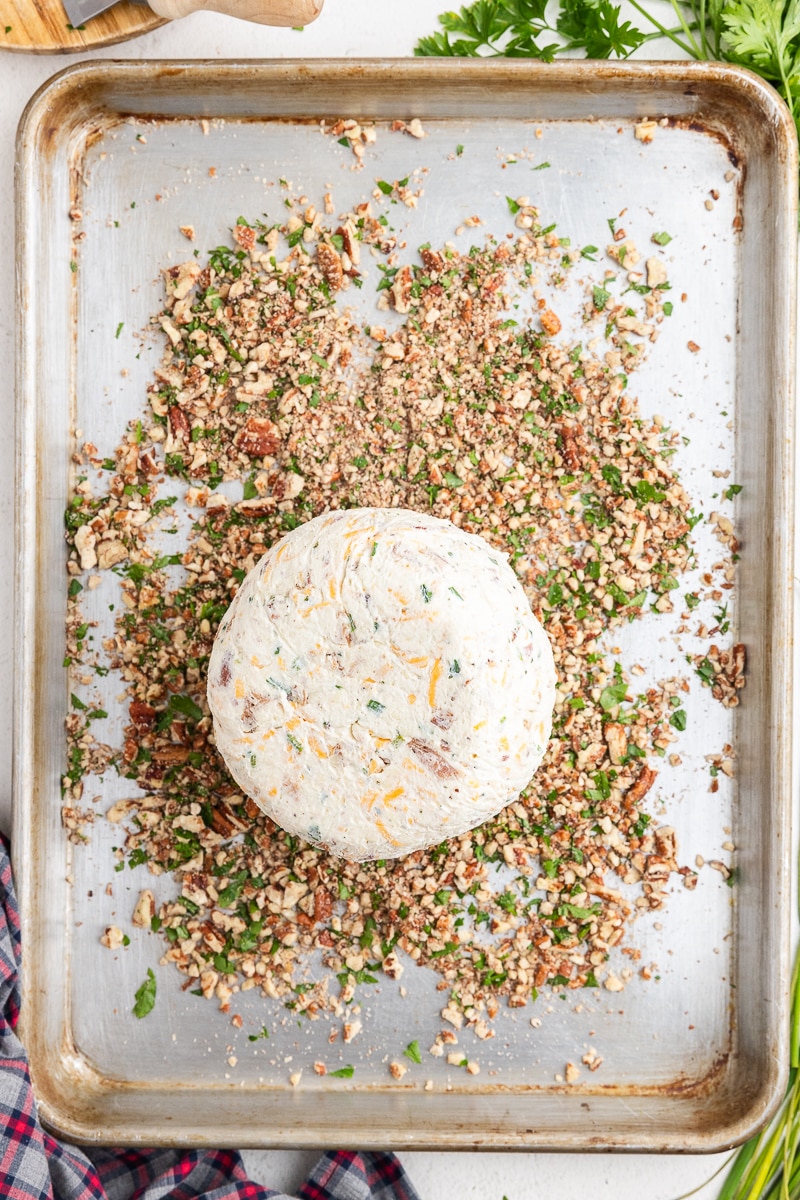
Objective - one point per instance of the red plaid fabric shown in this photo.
(34, 1166)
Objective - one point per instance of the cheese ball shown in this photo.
(380, 683)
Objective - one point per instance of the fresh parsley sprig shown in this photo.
(516, 29)
(763, 35)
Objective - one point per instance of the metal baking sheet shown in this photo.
(693, 1060)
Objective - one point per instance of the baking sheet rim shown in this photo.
(27, 617)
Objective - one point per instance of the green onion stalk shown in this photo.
(768, 1166)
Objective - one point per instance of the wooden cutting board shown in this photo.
(42, 27)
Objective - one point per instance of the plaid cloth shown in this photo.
(34, 1166)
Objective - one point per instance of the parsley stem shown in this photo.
(661, 32)
(678, 9)
(701, 21)
(664, 32)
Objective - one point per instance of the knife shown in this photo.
(263, 12)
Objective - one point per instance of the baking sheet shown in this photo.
(693, 1059)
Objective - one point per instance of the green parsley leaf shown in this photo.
(412, 1051)
(186, 707)
(342, 1073)
(145, 996)
(613, 695)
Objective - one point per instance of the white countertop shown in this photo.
(388, 28)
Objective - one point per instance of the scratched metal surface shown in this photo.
(694, 1058)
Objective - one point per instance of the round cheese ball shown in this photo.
(380, 683)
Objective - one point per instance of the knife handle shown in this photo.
(263, 12)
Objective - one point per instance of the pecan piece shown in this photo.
(330, 264)
(178, 423)
(148, 463)
(261, 506)
(143, 715)
(170, 755)
(436, 763)
(550, 322)
(570, 448)
(259, 436)
(432, 260)
(350, 244)
(225, 675)
(641, 787)
(145, 909)
(617, 741)
(224, 820)
(212, 938)
(245, 236)
(400, 290)
(323, 904)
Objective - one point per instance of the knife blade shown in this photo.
(81, 11)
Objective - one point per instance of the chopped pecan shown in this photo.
(433, 760)
(261, 506)
(145, 909)
(212, 937)
(178, 423)
(617, 741)
(143, 715)
(259, 436)
(245, 236)
(330, 264)
(350, 244)
(550, 322)
(641, 787)
(224, 820)
(323, 904)
(170, 755)
(432, 260)
(400, 290)
(570, 448)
